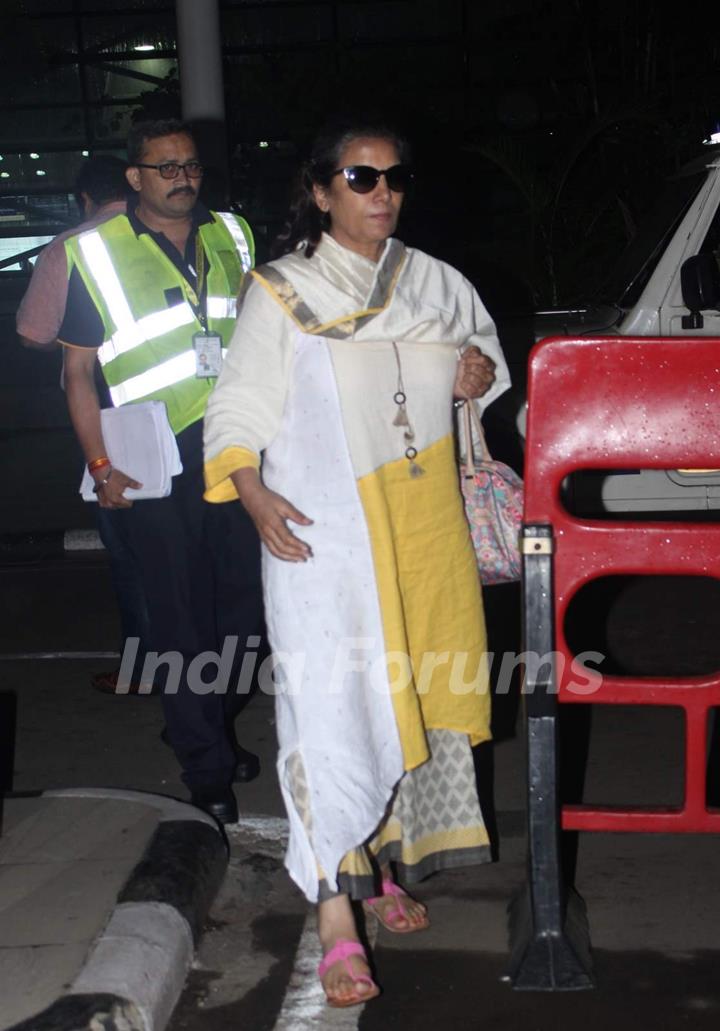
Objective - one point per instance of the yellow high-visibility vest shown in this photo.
(150, 312)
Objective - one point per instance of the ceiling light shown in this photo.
(40, 171)
(144, 46)
(4, 175)
(263, 144)
(34, 156)
(85, 153)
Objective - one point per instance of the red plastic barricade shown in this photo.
(603, 403)
(627, 403)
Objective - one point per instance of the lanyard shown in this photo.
(198, 297)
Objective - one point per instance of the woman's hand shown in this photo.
(475, 374)
(269, 511)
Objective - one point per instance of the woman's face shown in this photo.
(362, 222)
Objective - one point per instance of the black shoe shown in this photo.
(218, 803)
(248, 766)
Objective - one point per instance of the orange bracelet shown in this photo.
(98, 463)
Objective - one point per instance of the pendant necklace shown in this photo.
(401, 419)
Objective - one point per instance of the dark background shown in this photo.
(543, 130)
(544, 134)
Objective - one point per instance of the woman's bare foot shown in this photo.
(347, 980)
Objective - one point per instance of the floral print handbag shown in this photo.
(493, 495)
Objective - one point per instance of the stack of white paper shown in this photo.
(140, 443)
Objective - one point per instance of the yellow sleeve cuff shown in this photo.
(218, 485)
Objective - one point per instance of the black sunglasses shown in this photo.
(364, 178)
(171, 169)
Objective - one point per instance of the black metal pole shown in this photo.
(549, 936)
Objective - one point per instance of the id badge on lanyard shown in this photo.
(206, 345)
(208, 354)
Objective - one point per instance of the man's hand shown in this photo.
(110, 493)
(475, 374)
(269, 511)
(84, 411)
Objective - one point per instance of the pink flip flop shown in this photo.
(390, 919)
(341, 952)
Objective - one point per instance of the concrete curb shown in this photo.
(44, 545)
(136, 969)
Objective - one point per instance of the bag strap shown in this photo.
(471, 418)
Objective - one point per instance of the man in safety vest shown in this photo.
(152, 295)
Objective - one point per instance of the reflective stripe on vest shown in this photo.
(146, 328)
(98, 259)
(221, 307)
(238, 236)
(166, 374)
(130, 332)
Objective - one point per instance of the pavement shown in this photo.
(103, 894)
(121, 906)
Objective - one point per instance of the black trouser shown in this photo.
(200, 567)
(127, 584)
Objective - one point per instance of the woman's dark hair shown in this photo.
(307, 222)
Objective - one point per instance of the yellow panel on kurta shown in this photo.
(430, 598)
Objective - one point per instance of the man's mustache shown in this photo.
(182, 189)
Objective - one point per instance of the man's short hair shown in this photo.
(142, 132)
(102, 178)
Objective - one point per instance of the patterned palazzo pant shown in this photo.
(433, 821)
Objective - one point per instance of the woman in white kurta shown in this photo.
(334, 414)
